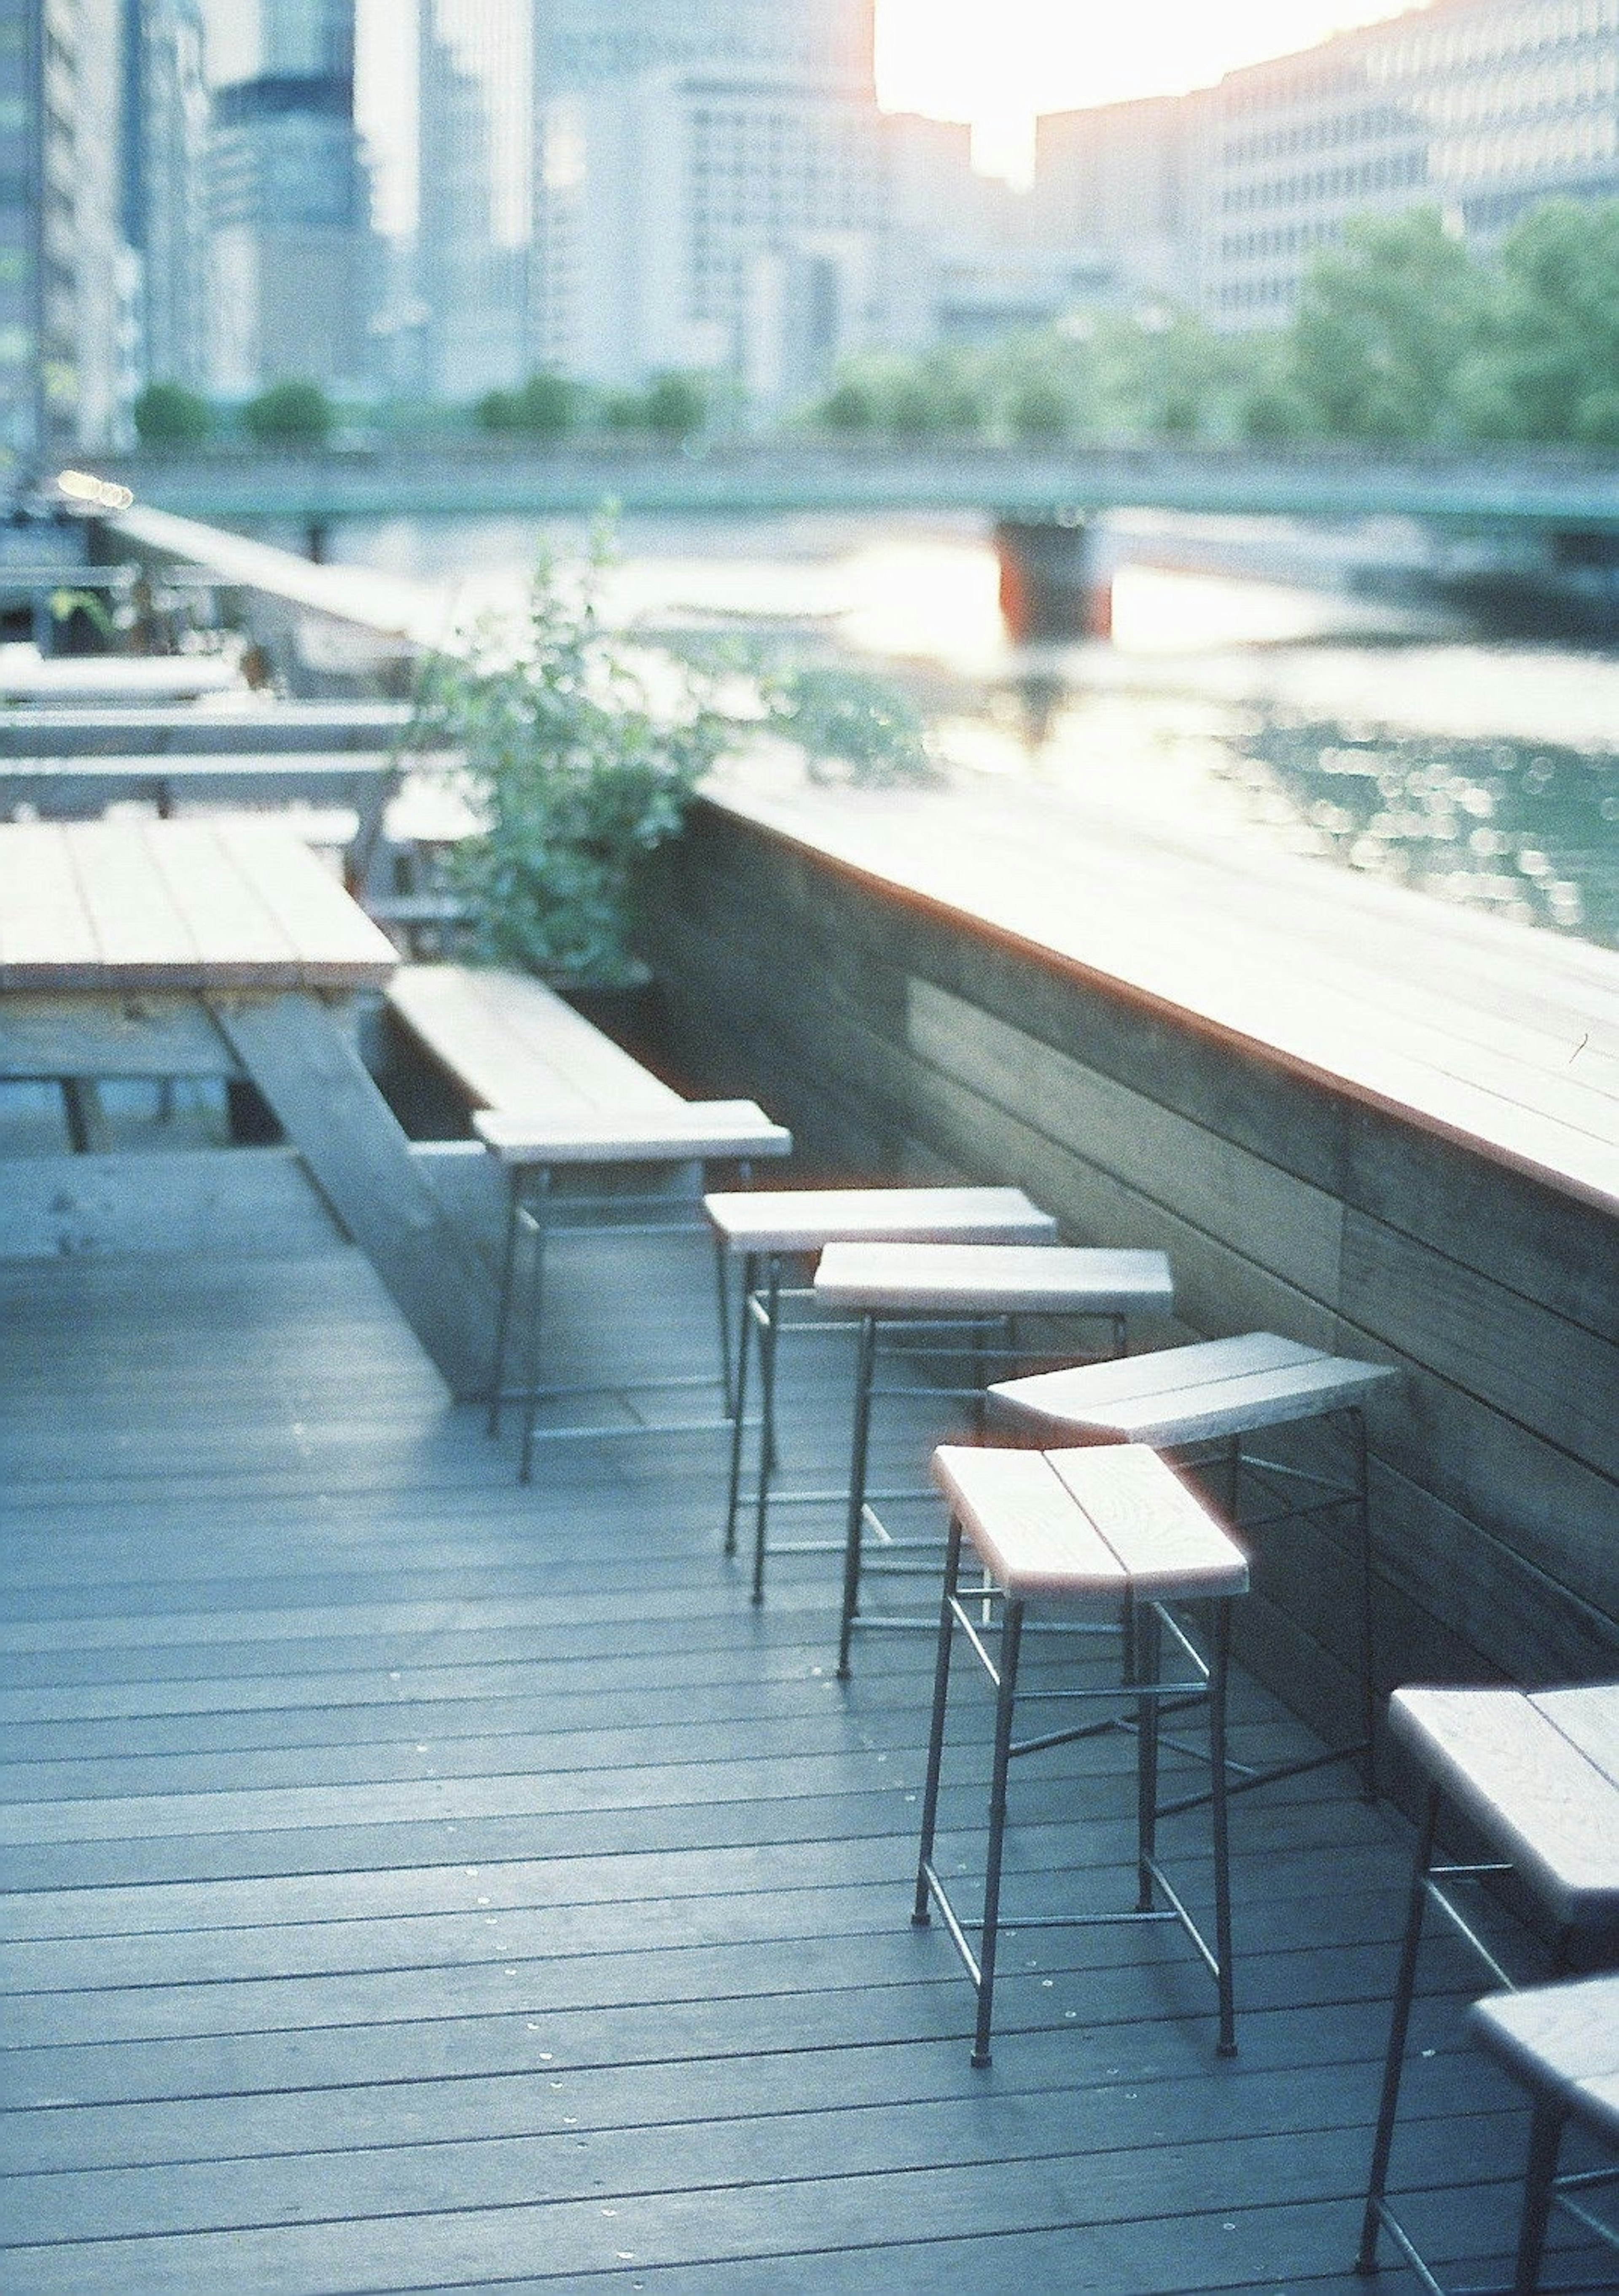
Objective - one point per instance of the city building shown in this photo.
(474, 207)
(1481, 108)
(289, 200)
(711, 220)
(582, 44)
(1116, 185)
(64, 274)
(712, 190)
(165, 138)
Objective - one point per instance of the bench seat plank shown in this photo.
(806, 1219)
(1516, 1770)
(691, 1129)
(1086, 1525)
(1189, 1395)
(1004, 1278)
(508, 1041)
(1562, 2042)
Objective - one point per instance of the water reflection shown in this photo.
(1377, 737)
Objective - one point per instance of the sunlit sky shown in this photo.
(995, 63)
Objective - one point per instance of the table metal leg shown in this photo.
(534, 1312)
(744, 1324)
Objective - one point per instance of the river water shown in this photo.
(1381, 736)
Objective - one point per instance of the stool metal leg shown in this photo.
(920, 1913)
(503, 1319)
(768, 1335)
(743, 1346)
(1219, 1677)
(1369, 1715)
(854, 1525)
(1144, 1646)
(1366, 2259)
(1011, 1636)
(1545, 2141)
(535, 1309)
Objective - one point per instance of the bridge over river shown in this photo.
(1497, 491)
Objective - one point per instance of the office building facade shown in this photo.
(475, 217)
(289, 206)
(1480, 107)
(65, 279)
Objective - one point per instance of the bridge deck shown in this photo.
(414, 1882)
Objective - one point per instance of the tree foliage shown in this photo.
(1403, 336)
(1386, 323)
(168, 415)
(547, 406)
(293, 412)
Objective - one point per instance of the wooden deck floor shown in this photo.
(417, 1884)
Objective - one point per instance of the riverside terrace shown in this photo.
(418, 1882)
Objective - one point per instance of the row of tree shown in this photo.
(548, 408)
(1402, 334)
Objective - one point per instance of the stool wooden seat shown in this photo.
(766, 1229)
(531, 1144)
(1536, 1774)
(1561, 2042)
(1061, 1530)
(940, 1287)
(1216, 1394)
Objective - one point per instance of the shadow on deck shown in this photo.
(417, 1882)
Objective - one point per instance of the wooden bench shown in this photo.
(549, 1092)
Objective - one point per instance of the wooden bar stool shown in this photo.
(1537, 1776)
(1561, 2042)
(944, 1295)
(1064, 1530)
(767, 1228)
(532, 1148)
(1206, 1400)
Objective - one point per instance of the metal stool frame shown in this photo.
(1428, 1887)
(861, 1519)
(1558, 2098)
(1144, 1623)
(530, 1213)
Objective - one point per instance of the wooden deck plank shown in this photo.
(285, 2010)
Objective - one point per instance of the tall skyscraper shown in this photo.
(63, 277)
(165, 161)
(289, 201)
(475, 214)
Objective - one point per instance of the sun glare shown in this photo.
(998, 63)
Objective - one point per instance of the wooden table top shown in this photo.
(89, 907)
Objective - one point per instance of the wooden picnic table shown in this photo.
(168, 948)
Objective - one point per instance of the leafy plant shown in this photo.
(577, 771)
(583, 748)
